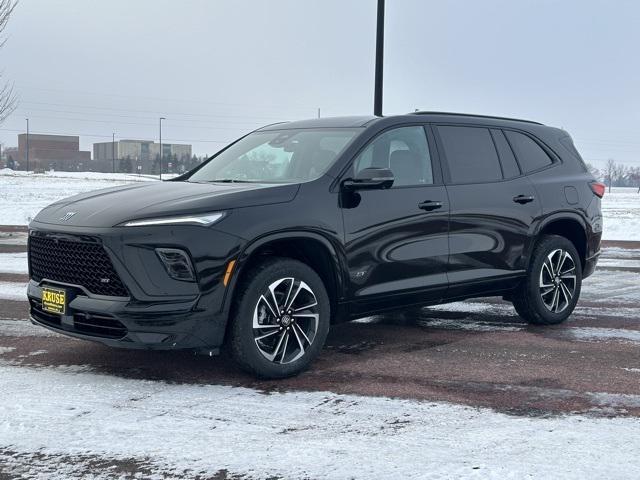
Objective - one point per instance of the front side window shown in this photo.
(278, 156)
(404, 151)
(471, 154)
(530, 155)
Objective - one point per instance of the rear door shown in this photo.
(492, 208)
(396, 239)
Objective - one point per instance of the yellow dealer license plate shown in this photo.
(54, 300)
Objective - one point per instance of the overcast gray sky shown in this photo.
(218, 68)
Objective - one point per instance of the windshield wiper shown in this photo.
(229, 180)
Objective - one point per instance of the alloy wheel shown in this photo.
(285, 320)
(558, 280)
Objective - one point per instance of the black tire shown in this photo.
(530, 300)
(243, 339)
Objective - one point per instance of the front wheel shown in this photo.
(551, 288)
(281, 319)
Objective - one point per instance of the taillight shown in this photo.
(598, 188)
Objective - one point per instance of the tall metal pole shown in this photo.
(27, 143)
(377, 95)
(161, 118)
(113, 151)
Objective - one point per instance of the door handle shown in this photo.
(522, 199)
(429, 205)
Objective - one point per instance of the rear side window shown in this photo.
(530, 155)
(470, 154)
(510, 167)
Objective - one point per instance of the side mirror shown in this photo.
(370, 179)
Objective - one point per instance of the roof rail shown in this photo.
(474, 115)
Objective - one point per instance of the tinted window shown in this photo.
(470, 154)
(530, 155)
(510, 167)
(404, 151)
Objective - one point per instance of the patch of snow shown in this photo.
(620, 253)
(597, 334)
(634, 370)
(619, 262)
(24, 328)
(201, 429)
(6, 350)
(37, 352)
(615, 400)
(14, 263)
(471, 325)
(613, 286)
(13, 291)
(13, 238)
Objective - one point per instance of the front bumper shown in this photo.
(159, 312)
(590, 265)
(119, 323)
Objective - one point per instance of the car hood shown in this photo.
(112, 206)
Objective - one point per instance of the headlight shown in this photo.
(205, 219)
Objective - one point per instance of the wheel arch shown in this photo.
(312, 248)
(568, 225)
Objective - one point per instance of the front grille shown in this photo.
(78, 262)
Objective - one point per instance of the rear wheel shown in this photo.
(281, 319)
(552, 286)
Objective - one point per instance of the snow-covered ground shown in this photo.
(23, 195)
(621, 212)
(13, 262)
(186, 430)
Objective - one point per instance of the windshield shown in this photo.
(278, 156)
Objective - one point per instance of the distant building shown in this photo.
(141, 156)
(58, 152)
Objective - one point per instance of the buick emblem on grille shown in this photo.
(67, 216)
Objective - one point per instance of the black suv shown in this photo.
(299, 225)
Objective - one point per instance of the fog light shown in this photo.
(177, 263)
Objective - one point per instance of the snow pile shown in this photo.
(200, 429)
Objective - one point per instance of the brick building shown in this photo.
(58, 152)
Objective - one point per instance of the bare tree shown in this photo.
(594, 171)
(8, 100)
(634, 176)
(610, 171)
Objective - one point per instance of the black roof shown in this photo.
(364, 120)
(473, 115)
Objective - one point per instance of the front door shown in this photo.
(396, 239)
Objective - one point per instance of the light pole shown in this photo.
(113, 151)
(161, 118)
(377, 95)
(27, 144)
